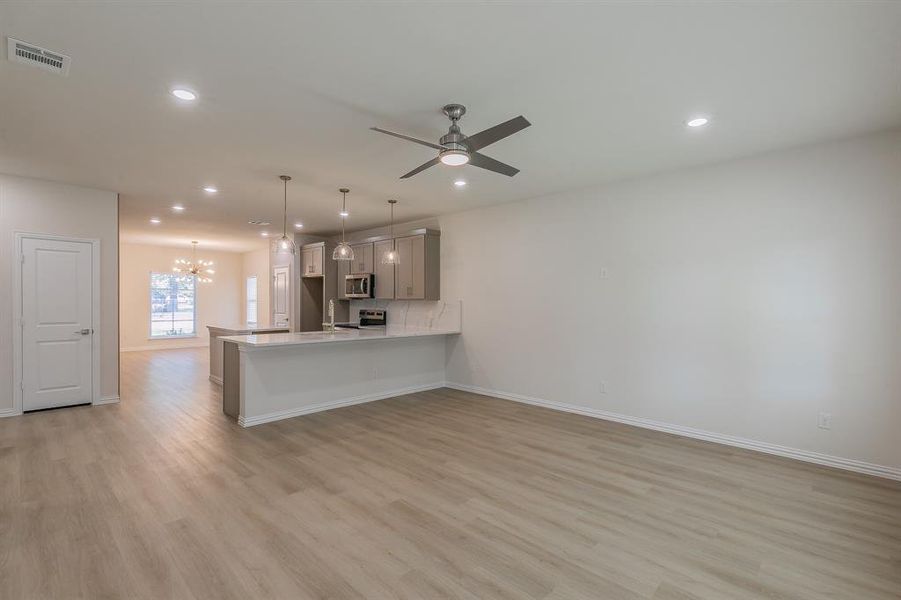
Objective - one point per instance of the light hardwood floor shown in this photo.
(441, 494)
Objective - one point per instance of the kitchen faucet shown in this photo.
(330, 326)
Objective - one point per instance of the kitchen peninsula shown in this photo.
(268, 377)
(217, 332)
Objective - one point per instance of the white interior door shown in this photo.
(57, 323)
(282, 296)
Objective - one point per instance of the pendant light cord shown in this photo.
(285, 216)
(343, 218)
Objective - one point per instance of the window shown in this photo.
(252, 300)
(172, 308)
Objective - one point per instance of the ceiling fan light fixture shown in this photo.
(454, 158)
(456, 149)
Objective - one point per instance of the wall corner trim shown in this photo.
(826, 460)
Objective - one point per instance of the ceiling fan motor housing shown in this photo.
(454, 140)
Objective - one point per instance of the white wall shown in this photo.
(256, 263)
(741, 299)
(218, 302)
(36, 206)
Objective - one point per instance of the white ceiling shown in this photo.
(293, 88)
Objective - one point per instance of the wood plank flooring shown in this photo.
(441, 494)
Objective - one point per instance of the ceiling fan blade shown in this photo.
(486, 162)
(479, 140)
(408, 138)
(422, 167)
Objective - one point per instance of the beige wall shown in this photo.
(257, 263)
(36, 206)
(741, 299)
(218, 302)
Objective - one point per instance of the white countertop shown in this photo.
(270, 340)
(244, 329)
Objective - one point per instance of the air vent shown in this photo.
(258, 222)
(35, 56)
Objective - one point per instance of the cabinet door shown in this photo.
(384, 274)
(362, 262)
(317, 261)
(410, 270)
(306, 261)
(343, 269)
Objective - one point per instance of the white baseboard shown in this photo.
(11, 412)
(699, 434)
(306, 410)
(216, 380)
(163, 347)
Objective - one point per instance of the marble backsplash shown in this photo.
(415, 314)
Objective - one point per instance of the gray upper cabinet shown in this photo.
(311, 260)
(362, 262)
(417, 274)
(384, 274)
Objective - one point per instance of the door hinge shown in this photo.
(22, 258)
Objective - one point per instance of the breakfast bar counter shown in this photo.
(273, 376)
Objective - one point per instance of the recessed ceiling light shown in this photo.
(154, 221)
(298, 225)
(178, 207)
(459, 183)
(264, 233)
(183, 94)
(698, 122)
(210, 189)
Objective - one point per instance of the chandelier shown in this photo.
(199, 269)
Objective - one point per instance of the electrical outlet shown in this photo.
(824, 420)
(603, 273)
(602, 388)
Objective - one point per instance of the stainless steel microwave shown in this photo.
(359, 285)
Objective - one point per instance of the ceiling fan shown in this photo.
(457, 149)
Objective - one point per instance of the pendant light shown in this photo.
(198, 269)
(391, 257)
(343, 251)
(285, 245)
